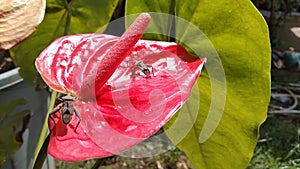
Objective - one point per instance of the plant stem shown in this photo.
(42, 154)
(172, 31)
(100, 162)
(42, 142)
(68, 19)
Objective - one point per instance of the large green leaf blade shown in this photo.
(233, 28)
(217, 138)
(78, 16)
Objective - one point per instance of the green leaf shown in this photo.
(220, 129)
(61, 18)
(8, 122)
(158, 23)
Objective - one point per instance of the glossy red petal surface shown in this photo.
(130, 106)
(56, 64)
(67, 145)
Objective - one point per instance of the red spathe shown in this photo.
(130, 107)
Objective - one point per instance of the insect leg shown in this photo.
(149, 66)
(79, 117)
(59, 95)
(54, 111)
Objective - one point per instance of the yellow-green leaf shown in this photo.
(234, 88)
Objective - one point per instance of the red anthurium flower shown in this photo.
(121, 101)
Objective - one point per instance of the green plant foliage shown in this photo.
(279, 145)
(62, 17)
(224, 132)
(8, 142)
(158, 23)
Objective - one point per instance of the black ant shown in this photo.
(66, 107)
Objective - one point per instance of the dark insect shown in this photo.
(66, 107)
(143, 68)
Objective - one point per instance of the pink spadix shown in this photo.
(109, 63)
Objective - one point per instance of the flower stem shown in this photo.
(41, 152)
